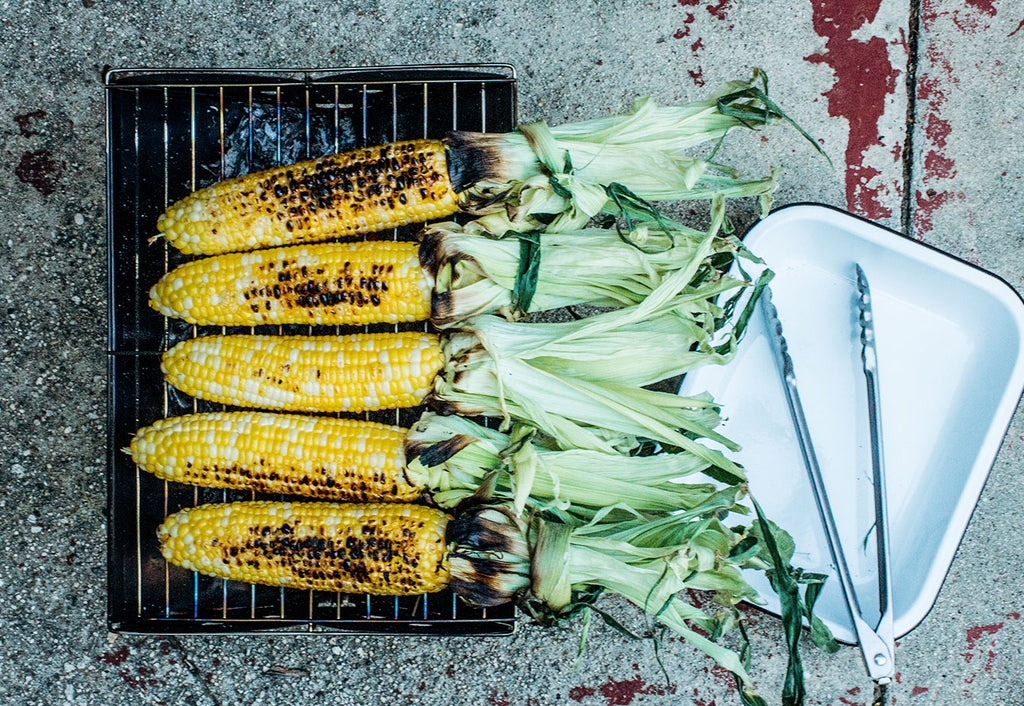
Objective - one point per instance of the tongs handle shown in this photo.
(877, 655)
(869, 358)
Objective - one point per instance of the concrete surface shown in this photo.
(936, 154)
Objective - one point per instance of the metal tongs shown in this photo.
(877, 642)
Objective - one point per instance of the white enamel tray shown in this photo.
(951, 371)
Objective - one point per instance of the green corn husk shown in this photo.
(647, 561)
(475, 273)
(581, 382)
(452, 456)
(558, 176)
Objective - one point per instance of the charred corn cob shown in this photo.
(394, 550)
(362, 191)
(374, 548)
(320, 457)
(335, 283)
(307, 373)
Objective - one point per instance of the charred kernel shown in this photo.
(221, 291)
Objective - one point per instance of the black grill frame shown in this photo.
(164, 128)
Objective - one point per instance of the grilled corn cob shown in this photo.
(320, 457)
(335, 283)
(375, 548)
(307, 373)
(394, 550)
(362, 191)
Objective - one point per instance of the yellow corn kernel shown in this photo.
(362, 191)
(319, 457)
(353, 373)
(380, 549)
(334, 284)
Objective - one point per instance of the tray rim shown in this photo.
(992, 284)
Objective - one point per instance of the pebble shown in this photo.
(79, 219)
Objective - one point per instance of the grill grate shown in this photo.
(169, 133)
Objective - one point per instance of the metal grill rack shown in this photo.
(170, 132)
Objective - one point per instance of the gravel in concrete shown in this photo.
(839, 68)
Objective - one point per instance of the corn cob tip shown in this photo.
(490, 559)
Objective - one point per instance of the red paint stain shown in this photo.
(936, 129)
(976, 633)
(973, 636)
(687, 3)
(844, 700)
(39, 170)
(1019, 27)
(623, 693)
(698, 599)
(864, 79)
(918, 690)
(854, 691)
(968, 21)
(986, 6)
(684, 31)
(115, 658)
(932, 95)
(143, 678)
(25, 121)
(990, 659)
(927, 204)
(578, 693)
(720, 9)
(720, 675)
(939, 165)
(1014, 616)
(496, 700)
(697, 76)
(697, 46)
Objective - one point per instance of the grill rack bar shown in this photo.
(151, 115)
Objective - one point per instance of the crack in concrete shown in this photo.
(907, 198)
